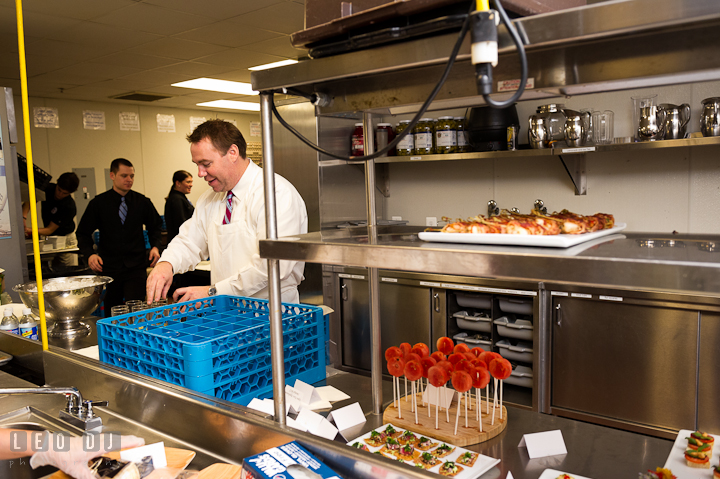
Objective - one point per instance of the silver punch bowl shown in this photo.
(67, 301)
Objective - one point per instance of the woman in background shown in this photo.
(178, 208)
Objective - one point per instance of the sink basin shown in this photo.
(30, 419)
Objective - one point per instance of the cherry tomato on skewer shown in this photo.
(476, 351)
(396, 367)
(438, 356)
(479, 363)
(445, 345)
(455, 357)
(486, 356)
(466, 366)
(480, 378)
(422, 347)
(500, 368)
(427, 363)
(446, 365)
(470, 356)
(405, 348)
(412, 357)
(461, 381)
(393, 352)
(413, 370)
(461, 348)
(437, 376)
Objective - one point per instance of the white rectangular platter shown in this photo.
(553, 474)
(676, 459)
(549, 241)
(481, 466)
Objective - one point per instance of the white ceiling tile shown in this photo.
(156, 77)
(287, 18)
(195, 69)
(153, 19)
(78, 9)
(221, 9)
(172, 47)
(239, 58)
(228, 34)
(34, 24)
(242, 75)
(135, 60)
(113, 38)
(278, 46)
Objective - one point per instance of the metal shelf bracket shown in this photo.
(575, 165)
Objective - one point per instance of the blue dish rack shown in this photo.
(218, 346)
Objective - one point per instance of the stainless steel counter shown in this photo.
(593, 451)
(688, 264)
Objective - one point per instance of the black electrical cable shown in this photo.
(413, 122)
(523, 61)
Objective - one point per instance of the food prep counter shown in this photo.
(223, 432)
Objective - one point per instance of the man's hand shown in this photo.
(96, 263)
(190, 293)
(159, 281)
(154, 256)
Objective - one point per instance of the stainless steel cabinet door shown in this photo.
(709, 384)
(624, 361)
(405, 316)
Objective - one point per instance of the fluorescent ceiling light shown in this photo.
(268, 66)
(225, 86)
(232, 105)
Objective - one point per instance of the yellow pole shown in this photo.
(30, 174)
(482, 5)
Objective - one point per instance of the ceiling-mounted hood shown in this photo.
(602, 47)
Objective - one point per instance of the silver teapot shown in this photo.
(652, 123)
(710, 117)
(676, 120)
(576, 127)
(538, 136)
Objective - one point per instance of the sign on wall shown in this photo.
(255, 129)
(129, 121)
(166, 123)
(44, 117)
(196, 121)
(93, 120)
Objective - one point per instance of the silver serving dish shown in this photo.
(67, 301)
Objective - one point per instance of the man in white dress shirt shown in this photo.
(227, 227)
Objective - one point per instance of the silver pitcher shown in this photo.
(652, 123)
(554, 120)
(575, 129)
(537, 132)
(710, 117)
(676, 120)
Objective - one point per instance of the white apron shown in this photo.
(233, 246)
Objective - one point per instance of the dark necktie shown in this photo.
(228, 208)
(123, 210)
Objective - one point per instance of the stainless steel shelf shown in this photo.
(684, 264)
(556, 151)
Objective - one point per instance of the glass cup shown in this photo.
(603, 127)
(119, 310)
(589, 121)
(160, 302)
(640, 102)
(138, 307)
(133, 302)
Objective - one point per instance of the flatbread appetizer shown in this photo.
(408, 437)
(467, 459)
(450, 469)
(390, 448)
(697, 458)
(425, 444)
(376, 439)
(443, 450)
(390, 431)
(426, 460)
(359, 445)
(407, 453)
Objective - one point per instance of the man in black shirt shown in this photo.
(119, 214)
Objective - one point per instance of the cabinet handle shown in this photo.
(344, 292)
(436, 298)
(558, 314)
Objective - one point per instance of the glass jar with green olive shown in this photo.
(424, 136)
(406, 146)
(446, 135)
(462, 143)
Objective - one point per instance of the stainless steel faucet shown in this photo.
(77, 412)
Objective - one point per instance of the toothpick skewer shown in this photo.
(457, 418)
(415, 402)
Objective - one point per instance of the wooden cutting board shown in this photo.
(221, 471)
(446, 430)
(176, 459)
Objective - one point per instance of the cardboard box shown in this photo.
(289, 457)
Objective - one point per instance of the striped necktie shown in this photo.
(123, 210)
(228, 208)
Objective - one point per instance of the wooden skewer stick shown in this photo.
(487, 398)
(394, 396)
(501, 393)
(437, 405)
(457, 418)
(447, 408)
(477, 397)
(406, 394)
(466, 394)
(494, 399)
(399, 402)
(416, 406)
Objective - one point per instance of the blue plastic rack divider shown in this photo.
(218, 346)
